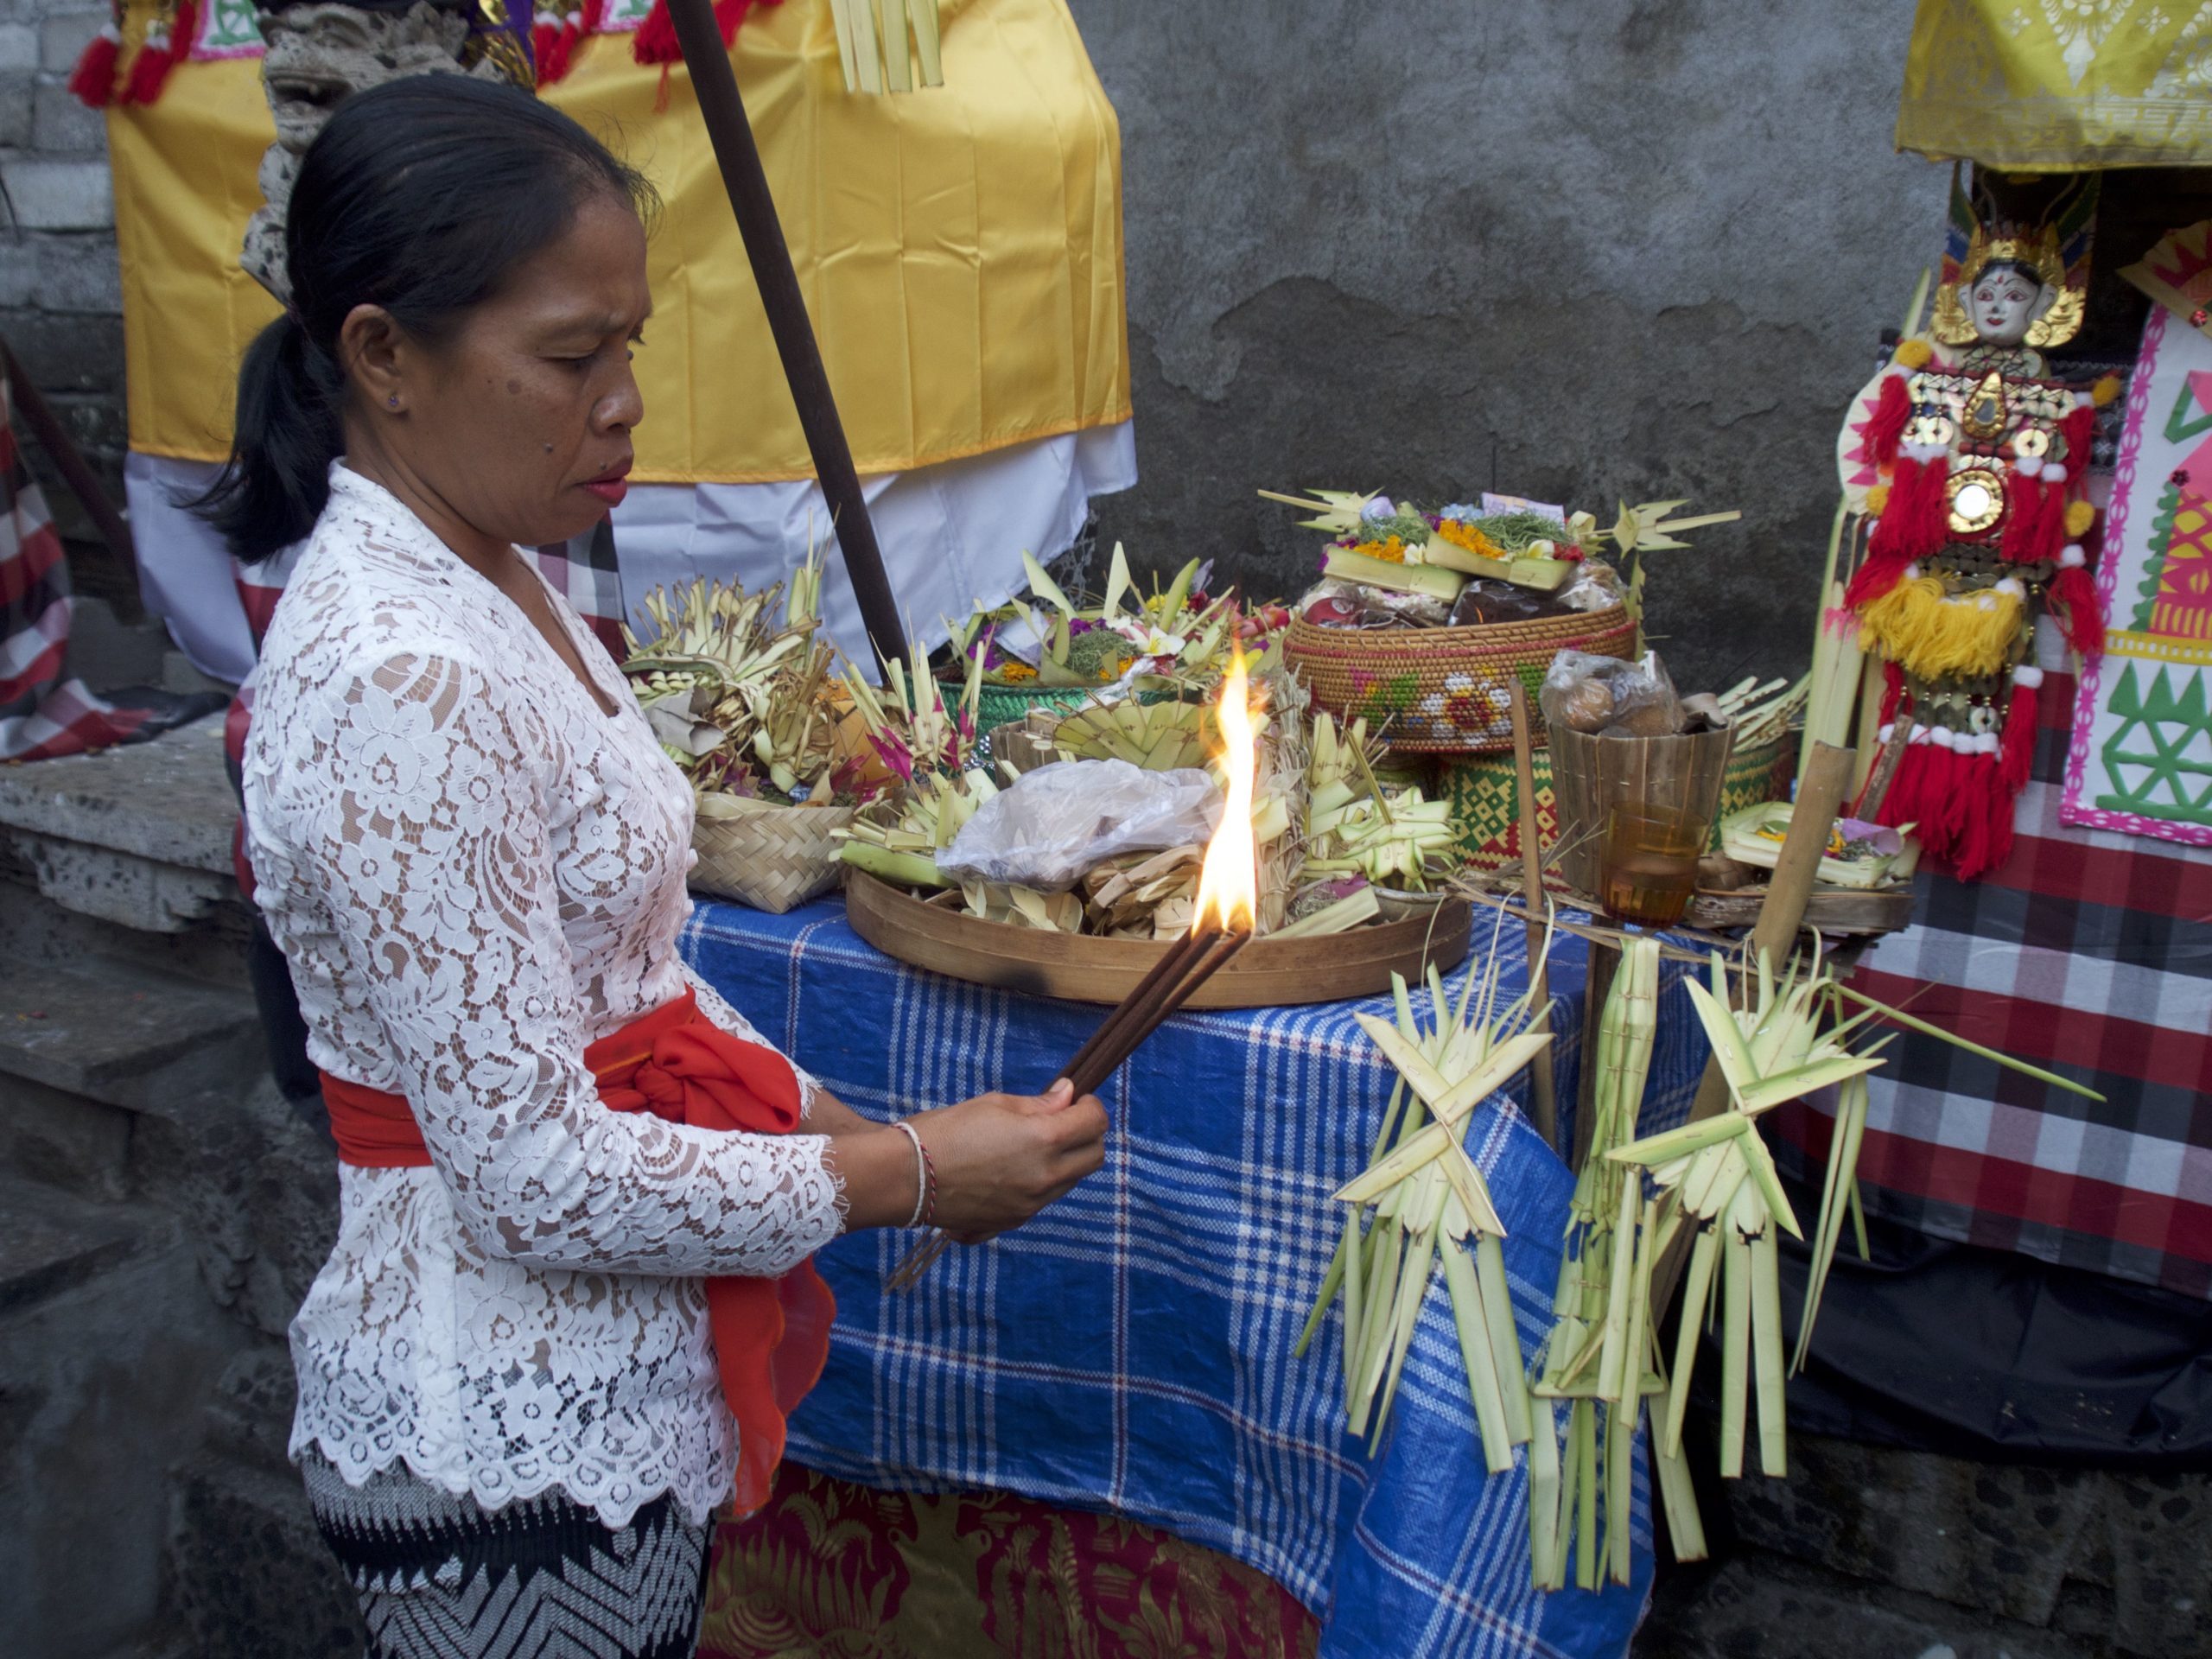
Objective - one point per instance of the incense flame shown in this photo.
(1229, 884)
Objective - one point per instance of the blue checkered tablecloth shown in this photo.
(1130, 1349)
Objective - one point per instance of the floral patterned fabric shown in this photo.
(832, 1568)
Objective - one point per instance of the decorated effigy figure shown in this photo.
(1966, 457)
(317, 53)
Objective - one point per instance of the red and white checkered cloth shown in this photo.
(2088, 954)
(43, 716)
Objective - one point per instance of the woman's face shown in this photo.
(2006, 303)
(519, 423)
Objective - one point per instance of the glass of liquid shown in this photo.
(1648, 869)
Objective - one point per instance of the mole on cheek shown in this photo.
(514, 388)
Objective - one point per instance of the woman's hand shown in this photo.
(999, 1159)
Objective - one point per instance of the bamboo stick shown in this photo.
(1543, 1098)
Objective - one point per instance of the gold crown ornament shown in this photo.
(2055, 250)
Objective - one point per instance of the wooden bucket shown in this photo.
(1592, 775)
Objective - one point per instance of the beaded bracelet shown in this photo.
(924, 1178)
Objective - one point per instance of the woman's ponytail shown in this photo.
(286, 435)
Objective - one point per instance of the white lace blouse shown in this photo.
(474, 872)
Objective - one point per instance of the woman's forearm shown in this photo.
(877, 1168)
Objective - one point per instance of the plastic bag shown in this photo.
(1335, 603)
(1053, 826)
(1609, 698)
(1595, 587)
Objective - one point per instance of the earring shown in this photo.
(392, 402)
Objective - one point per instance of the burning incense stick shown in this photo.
(1222, 922)
(1172, 981)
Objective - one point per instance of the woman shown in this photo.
(471, 853)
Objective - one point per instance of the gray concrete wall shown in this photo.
(1608, 249)
(1583, 252)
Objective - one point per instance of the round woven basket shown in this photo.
(773, 858)
(1444, 690)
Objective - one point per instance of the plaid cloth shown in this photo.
(1130, 1349)
(2087, 954)
(43, 716)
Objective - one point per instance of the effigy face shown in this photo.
(2004, 304)
(316, 56)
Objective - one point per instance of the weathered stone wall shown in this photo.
(1630, 248)
(1626, 248)
(60, 292)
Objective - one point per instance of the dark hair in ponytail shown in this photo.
(420, 196)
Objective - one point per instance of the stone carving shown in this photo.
(318, 54)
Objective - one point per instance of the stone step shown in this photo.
(251, 1570)
(125, 1036)
(139, 834)
(1758, 1607)
(51, 1242)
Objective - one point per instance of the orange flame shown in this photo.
(1229, 884)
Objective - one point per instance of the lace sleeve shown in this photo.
(718, 1009)
(430, 836)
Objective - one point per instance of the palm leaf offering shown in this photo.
(738, 688)
(1432, 1213)
(873, 45)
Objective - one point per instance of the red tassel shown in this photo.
(594, 13)
(1982, 837)
(730, 14)
(150, 70)
(1892, 409)
(93, 78)
(544, 40)
(2078, 429)
(655, 40)
(2016, 759)
(2073, 598)
(1915, 521)
(2035, 527)
(1908, 787)
(1893, 692)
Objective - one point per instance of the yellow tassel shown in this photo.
(1933, 635)
(1913, 353)
(2080, 515)
(1878, 497)
(2104, 390)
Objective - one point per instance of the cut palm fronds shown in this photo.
(873, 44)
(1431, 1203)
(1594, 1352)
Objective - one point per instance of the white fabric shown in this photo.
(952, 535)
(474, 872)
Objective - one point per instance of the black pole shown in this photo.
(722, 109)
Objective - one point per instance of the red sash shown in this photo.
(771, 1335)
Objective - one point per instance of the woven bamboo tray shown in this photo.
(773, 858)
(1446, 690)
(1267, 973)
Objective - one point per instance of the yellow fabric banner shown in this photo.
(959, 247)
(2059, 86)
